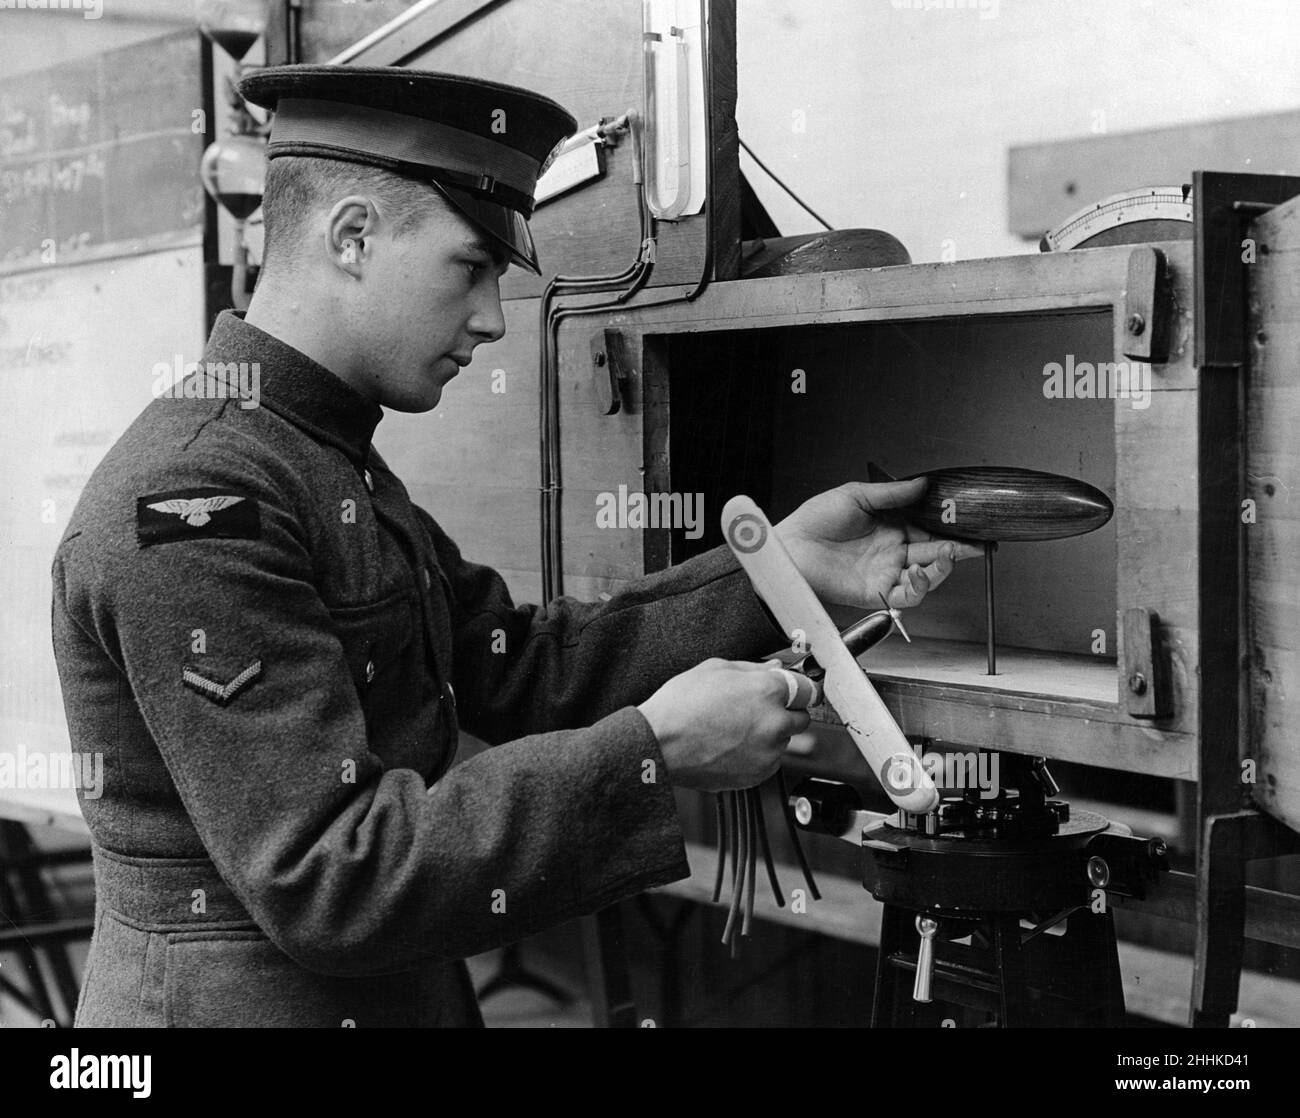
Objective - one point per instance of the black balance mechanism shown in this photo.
(996, 904)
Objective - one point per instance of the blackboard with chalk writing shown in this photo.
(99, 156)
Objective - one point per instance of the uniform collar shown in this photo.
(295, 387)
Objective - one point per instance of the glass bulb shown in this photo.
(233, 171)
(234, 25)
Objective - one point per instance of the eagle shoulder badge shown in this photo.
(194, 514)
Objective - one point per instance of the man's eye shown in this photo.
(475, 269)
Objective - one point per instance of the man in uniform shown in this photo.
(273, 648)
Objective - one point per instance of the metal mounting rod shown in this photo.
(990, 623)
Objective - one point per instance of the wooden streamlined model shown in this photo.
(1002, 504)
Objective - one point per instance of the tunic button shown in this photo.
(428, 578)
(370, 481)
(370, 671)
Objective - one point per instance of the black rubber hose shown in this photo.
(720, 813)
(751, 864)
(768, 860)
(794, 836)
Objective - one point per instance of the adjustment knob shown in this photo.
(927, 926)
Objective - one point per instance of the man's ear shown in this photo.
(349, 231)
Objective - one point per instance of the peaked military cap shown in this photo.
(483, 145)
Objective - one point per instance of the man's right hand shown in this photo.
(723, 724)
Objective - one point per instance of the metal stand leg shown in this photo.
(887, 1003)
(1084, 970)
(1009, 967)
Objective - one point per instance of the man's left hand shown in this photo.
(852, 555)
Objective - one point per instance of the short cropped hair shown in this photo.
(296, 186)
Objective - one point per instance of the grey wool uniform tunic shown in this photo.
(273, 650)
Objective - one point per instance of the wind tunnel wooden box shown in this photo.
(783, 387)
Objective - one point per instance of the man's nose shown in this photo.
(488, 322)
